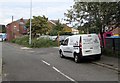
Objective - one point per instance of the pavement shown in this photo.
(109, 62)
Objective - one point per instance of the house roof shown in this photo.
(52, 22)
(25, 20)
(116, 30)
(66, 27)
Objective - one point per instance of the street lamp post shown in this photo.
(30, 21)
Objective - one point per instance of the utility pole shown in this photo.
(12, 18)
(30, 21)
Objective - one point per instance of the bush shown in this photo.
(21, 41)
(42, 42)
(13, 41)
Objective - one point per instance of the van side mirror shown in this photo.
(62, 42)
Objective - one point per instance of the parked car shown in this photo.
(79, 46)
(1, 38)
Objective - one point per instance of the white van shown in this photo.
(79, 46)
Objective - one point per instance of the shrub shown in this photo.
(42, 42)
(110, 52)
(12, 41)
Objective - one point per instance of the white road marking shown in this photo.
(25, 48)
(63, 74)
(59, 71)
(46, 62)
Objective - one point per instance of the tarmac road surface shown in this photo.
(44, 64)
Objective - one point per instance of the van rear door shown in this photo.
(90, 45)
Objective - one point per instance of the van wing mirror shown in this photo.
(62, 42)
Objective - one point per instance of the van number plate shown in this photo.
(75, 48)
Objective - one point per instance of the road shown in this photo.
(44, 64)
(0, 61)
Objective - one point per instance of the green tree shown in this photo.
(39, 25)
(2, 28)
(58, 27)
(94, 15)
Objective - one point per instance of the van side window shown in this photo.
(66, 42)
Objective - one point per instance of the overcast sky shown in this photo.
(53, 9)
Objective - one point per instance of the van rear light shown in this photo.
(80, 45)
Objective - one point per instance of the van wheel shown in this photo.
(61, 54)
(77, 59)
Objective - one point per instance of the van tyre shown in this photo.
(61, 54)
(76, 58)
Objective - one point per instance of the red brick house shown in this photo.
(16, 29)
